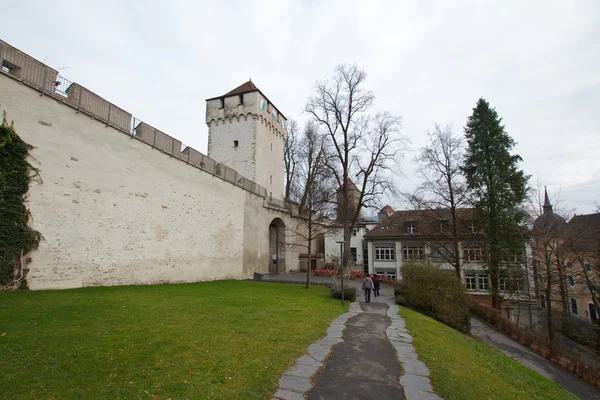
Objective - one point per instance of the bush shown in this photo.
(322, 272)
(579, 330)
(401, 300)
(437, 292)
(349, 293)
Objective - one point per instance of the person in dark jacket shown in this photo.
(376, 285)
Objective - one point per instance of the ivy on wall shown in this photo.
(17, 238)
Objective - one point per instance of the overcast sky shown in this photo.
(536, 62)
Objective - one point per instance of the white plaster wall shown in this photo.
(221, 148)
(114, 211)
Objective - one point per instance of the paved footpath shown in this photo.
(367, 354)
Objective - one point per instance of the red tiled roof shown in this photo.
(426, 223)
(243, 88)
(388, 210)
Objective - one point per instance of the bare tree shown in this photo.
(549, 231)
(313, 189)
(363, 147)
(290, 156)
(443, 191)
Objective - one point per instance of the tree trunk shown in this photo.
(309, 255)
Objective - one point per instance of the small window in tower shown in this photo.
(222, 99)
(241, 99)
(271, 179)
(235, 143)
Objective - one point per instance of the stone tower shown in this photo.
(246, 132)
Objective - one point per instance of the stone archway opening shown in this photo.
(277, 246)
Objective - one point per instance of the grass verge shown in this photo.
(221, 340)
(463, 368)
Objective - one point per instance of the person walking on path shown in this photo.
(367, 285)
(376, 285)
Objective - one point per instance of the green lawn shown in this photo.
(222, 340)
(463, 368)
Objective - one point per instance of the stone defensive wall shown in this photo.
(119, 203)
(39, 76)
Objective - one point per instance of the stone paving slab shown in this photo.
(303, 371)
(294, 384)
(287, 395)
(416, 382)
(308, 360)
(414, 394)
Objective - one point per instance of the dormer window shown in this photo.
(471, 227)
(411, 227)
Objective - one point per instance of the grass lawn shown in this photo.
(222, 340)
(463, 368)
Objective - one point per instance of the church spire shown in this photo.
(547, 205)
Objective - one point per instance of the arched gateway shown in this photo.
(277, 246)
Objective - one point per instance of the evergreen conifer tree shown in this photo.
(499, 189)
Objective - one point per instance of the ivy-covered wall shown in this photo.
(17, 238)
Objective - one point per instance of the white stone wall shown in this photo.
(221, 144)
(114, 211)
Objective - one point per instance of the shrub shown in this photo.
(400, 299)
(437, 292)
(322, 272)
(356, 274)
(580, 331)
(349, 293)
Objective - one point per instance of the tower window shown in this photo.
(222, 99)
(241, 99)
(235, 143)
(271, 179)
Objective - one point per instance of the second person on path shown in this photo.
(367, 285)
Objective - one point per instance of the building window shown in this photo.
(572, 281)
(473, 254)
(222, 102)
(366, 230)
(353, 252)
(413, 253)
(470, 282)
(542, 301)
(235, 143)
(411, 228)
(471, 227)
(441, 227)
(574, 307)
(384, 252)
(504, 284)
(593, 312)
(484, 282)
(354, 232)
(588, 267)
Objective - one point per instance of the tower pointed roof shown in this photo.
(246, 87)
(547, 206)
